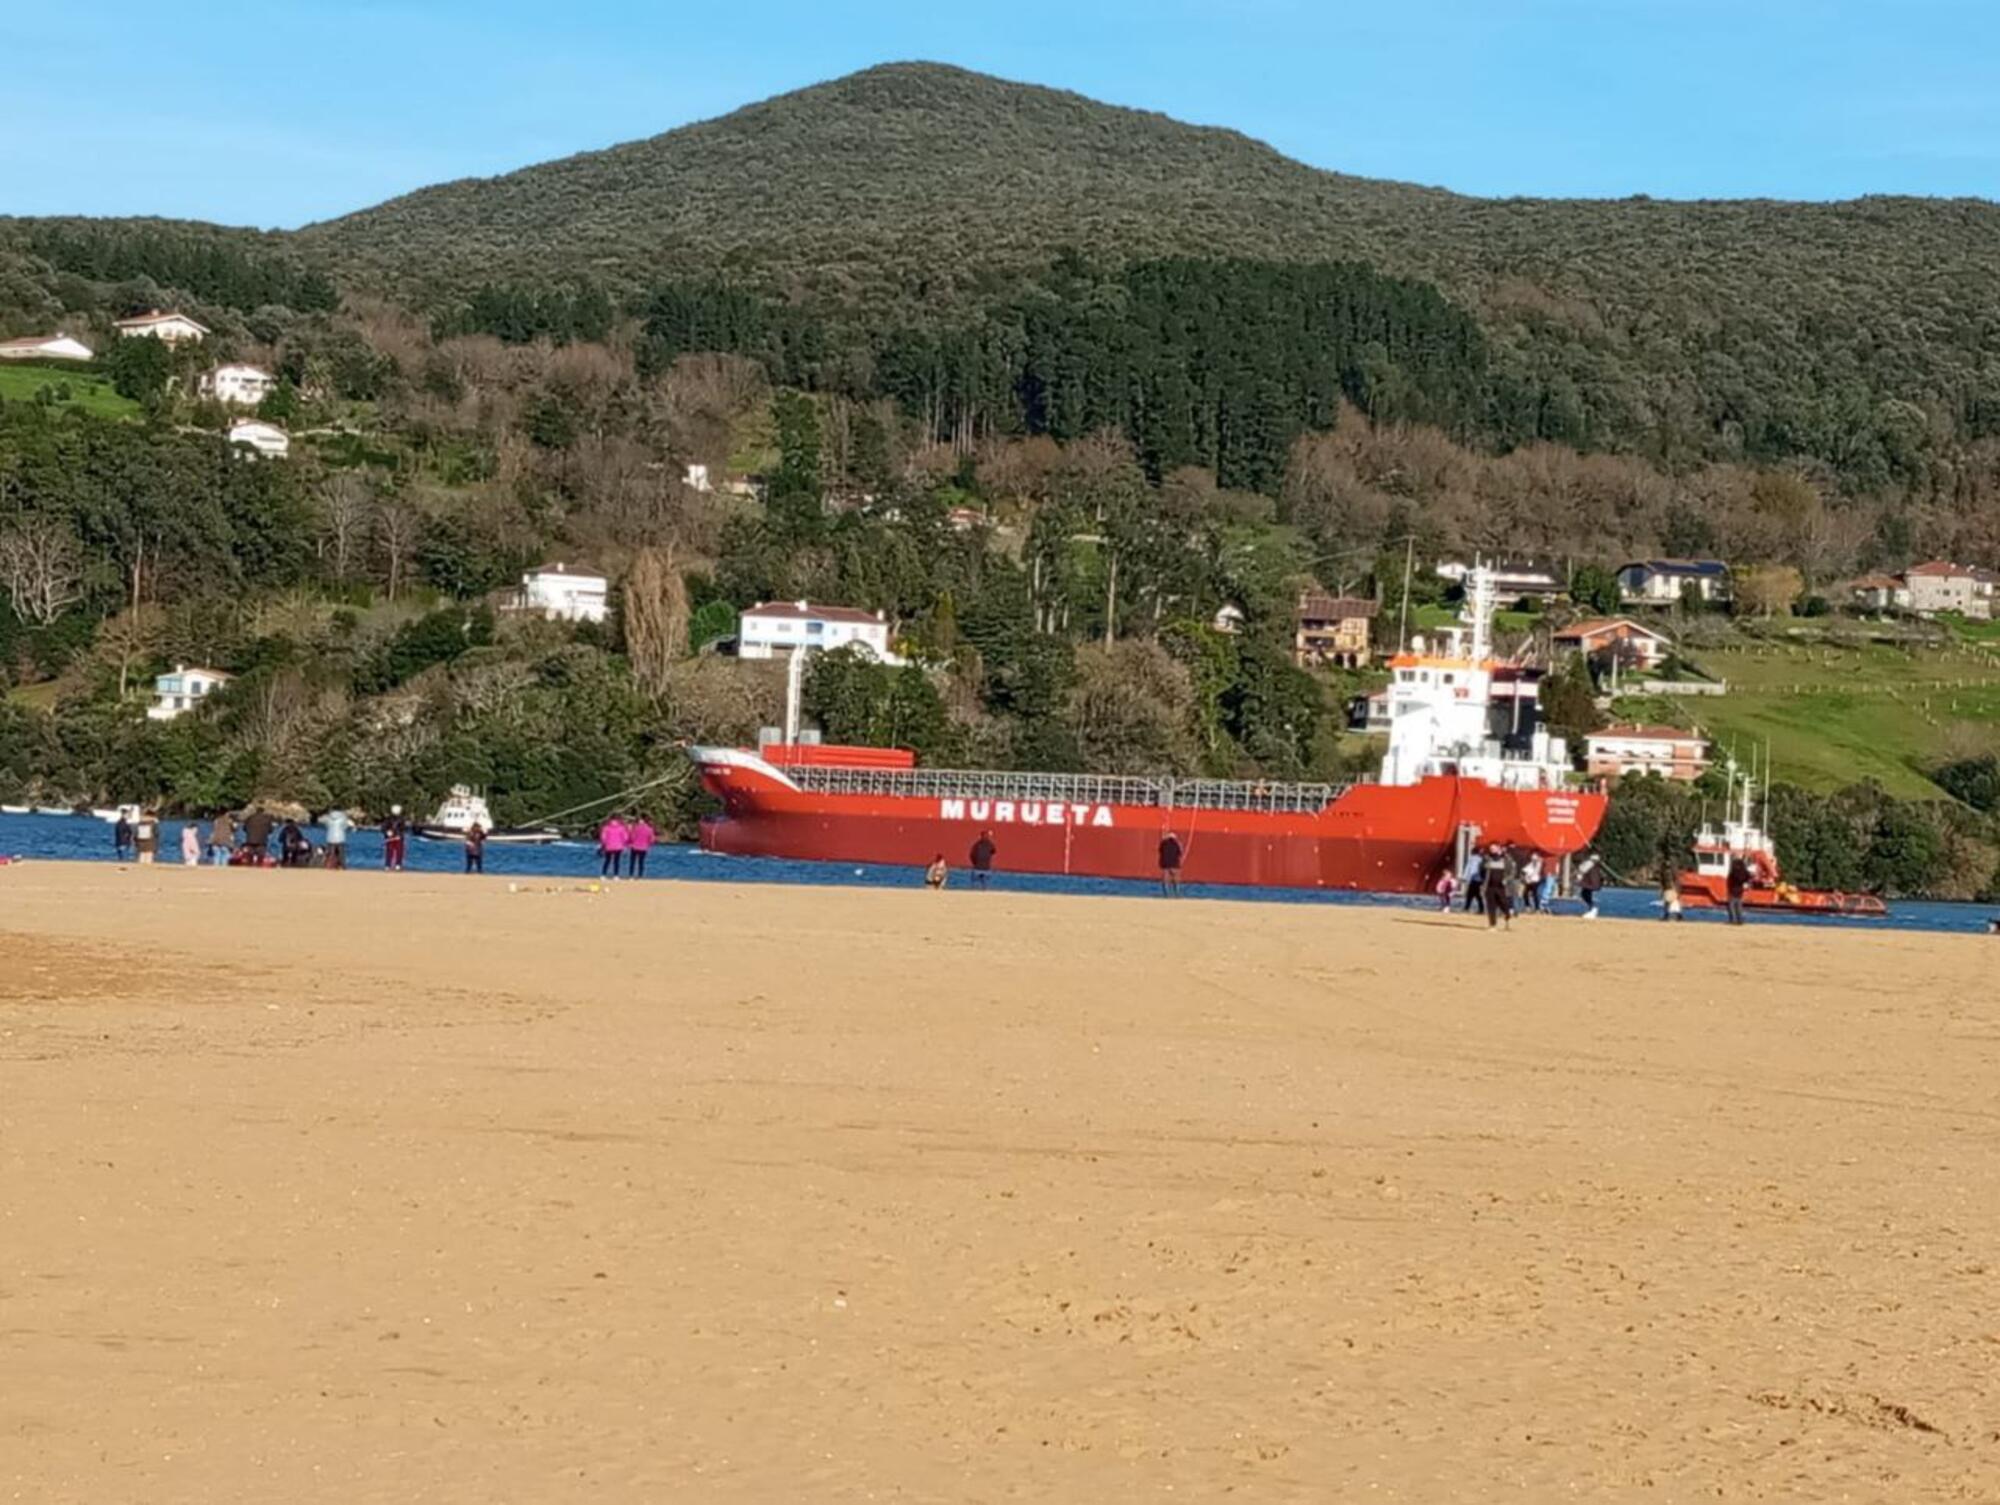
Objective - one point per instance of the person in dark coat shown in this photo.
(983, 853)
(257, 837)
(1738, 883)
(1497, 881)
(1170, 865)
(475, 848)
(121, 838)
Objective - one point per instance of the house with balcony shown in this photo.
(562, 593)
(171, 328)
(1332, 630)
(182, 691)
(778, 629)
(1668, 582)
(1664, 750)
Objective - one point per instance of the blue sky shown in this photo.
(285, 111)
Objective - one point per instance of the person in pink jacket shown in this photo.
(612, 839)
(638, 842)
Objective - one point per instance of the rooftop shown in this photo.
(1945, 570)
(802, 610)
(1596, 625)
(1700, 567)
(1638, 733)
(1321, 607)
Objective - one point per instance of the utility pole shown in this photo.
(1409, 562)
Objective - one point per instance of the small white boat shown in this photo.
(17, 810)
(462, 810)
(112, 814)
(53, 810)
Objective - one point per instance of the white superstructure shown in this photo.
(461, 811)
(1455, 709)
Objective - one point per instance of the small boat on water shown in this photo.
(1740, 835)
(462, 810)
(112, 814)
(17, 810)
(55, 810)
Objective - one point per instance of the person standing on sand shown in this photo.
(146, 837)
(1588, 882)
(937, 873)
(612, 839)
(1737, 883)
(1498, 898)
(1171, 853)
(395, 835)
(121, 839)
(639, 837)
(337, 823)
(982, 854)
(1531, 882)
(222, 839)
(1473, 879)
(1670, 898)
(475, 848)
(257, 838)
(191, 844)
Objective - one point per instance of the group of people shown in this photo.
(622, 844)
(1502, 881)
(985, 851)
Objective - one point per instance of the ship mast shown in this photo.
(1479, 594)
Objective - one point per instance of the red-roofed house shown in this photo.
(1879, 593)
(1940, 586)
(1634, 644)
(1665, 750)
(771, 628)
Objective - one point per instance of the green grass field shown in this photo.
(92, 394)
(1836, 716)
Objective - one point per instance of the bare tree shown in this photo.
(41, 569)
(656, 618)
(344, 507)
(126, 639)
(397, 525)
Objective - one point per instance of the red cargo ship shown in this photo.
(1468, 761)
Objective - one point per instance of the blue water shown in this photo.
(82, 838)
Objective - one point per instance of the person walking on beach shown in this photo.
(1446, 885)
(1171, 853)
(982, 855)
(612, 839)
(937, 873)
(1737, 883)
(639, 838)
(146, 837)
(121, 838)
(191, 844)
(1588, 882)
(475, 848)
(294, 848)
(395, 837)
(1531, 882)
(1473, 879)
(222, 839)
(337, 823)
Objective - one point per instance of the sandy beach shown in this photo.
(326, 1187)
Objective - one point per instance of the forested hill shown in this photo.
(1727, 329)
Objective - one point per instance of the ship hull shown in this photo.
(1700, 891)
(1370, 837)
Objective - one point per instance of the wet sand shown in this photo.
(326, 1187)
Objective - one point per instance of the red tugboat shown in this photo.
(1707, 887)
(1468, 760)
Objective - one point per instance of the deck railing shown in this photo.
(1069, 788)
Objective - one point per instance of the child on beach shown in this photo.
(1670, 898)
(1446, 886)
(935, 874)
(191, 845)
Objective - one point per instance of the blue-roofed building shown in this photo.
(1664, 582)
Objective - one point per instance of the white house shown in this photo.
(1513, 579)
(172, 328)
(1665, 750)
(178, 693)
(1660, 582)
(1940, 585)
(239, 386)
(772, 628)
(265, 438)
(46, 347)
(563, 593)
